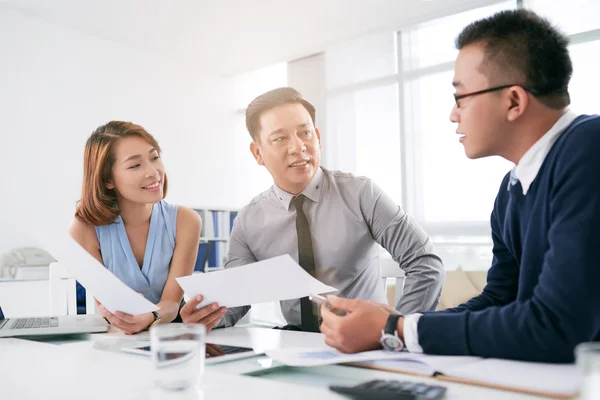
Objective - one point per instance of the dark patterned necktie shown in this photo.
(306, 261)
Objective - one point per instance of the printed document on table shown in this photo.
(312, 357)
(95, 277)
(278, 278)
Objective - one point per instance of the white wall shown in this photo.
(307, 75)
(58, 85)
(251, 178)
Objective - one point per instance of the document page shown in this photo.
(95, 277)
(307, 357)
(421, 363)
(563, 379)
(278, 278)
(377, 359)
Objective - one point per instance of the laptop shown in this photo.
(50, 326)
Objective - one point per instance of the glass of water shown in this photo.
(588, 362)
(178, 352)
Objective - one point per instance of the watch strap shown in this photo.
(392, 324)
(156, 319)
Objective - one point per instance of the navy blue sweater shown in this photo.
(542, 296)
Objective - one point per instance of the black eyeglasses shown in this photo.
(457, 97)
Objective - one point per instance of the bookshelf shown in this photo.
(217, 224)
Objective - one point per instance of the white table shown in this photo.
(79, 369)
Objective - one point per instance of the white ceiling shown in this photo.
(225, 37)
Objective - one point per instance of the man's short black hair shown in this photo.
(269, 100)
(524, 47)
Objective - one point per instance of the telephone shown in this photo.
(24, 258)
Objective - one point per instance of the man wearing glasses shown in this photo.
(541, 298)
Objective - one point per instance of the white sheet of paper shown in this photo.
(97, 279)
(313, 357)
(561, 379)
(424, 363)
(278, 278)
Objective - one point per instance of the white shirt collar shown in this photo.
(312, 190)
(531, 162)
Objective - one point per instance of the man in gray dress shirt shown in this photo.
(349, 217)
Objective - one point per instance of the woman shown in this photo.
(123, 221)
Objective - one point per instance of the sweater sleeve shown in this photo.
(564, 308)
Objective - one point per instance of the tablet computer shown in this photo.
(215, 353)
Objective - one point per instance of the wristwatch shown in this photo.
(389, 335)
(156, 319)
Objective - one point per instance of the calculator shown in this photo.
(392, 390)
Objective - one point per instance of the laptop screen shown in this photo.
(1, 314)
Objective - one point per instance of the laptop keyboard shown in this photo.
(35, 322)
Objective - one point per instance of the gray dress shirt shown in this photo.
(349, 218)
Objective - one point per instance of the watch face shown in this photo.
(392, 342)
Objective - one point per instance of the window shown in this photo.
(363, 122)
(360, 60)
(578, 18)
(378, 137)
(450, 187)
(432, 43)
(365, 136)
(573, 16)
(585, 85)
(405, 141)
(447, 186)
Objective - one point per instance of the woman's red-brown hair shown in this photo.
(98, 204)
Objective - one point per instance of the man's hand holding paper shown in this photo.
(209, 315)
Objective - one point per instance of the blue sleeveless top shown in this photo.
(118, 257)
